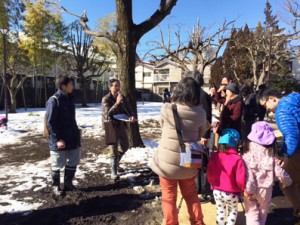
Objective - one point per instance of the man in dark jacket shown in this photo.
(166, 96)
(64, 137)
(112, 104)
(250, 112)
(287, 117)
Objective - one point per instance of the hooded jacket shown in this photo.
(287, 116)
(226, 172)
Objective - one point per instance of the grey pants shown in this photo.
(59, 159)
(122, 139)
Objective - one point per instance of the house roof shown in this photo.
(164, 62)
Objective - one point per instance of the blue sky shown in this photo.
(185, 13)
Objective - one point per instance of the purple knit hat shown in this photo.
(262, 133)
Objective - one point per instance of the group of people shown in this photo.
(229, 172)
(64, 135)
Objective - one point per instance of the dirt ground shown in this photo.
(101, 201)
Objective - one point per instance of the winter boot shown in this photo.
(55, 175)
(114, 166)
(68, 179)
(119, 169)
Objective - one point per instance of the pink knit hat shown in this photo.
(262, 133)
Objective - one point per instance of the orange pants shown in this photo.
(169, 197)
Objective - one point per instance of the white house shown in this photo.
(156, 76)
(295, 68)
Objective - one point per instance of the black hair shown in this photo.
(187, 92)
(198, 77)
(246, 91)
(264, 94)
(63, 79)
(166, 89)
(113, 80)
(228, 77)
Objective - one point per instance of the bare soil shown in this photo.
(99, 201)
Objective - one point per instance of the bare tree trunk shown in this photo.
(1, 92)
(83, 90)
(13, 101)
(262, 76)
(127, 40)
(126, 37)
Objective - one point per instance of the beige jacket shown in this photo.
(166, 160)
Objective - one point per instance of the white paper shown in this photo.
(122, 117)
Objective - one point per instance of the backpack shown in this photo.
(46, 131)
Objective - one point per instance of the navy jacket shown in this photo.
(61, 122)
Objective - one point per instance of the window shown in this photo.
(147, 74)
(161, 71)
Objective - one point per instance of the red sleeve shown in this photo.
(237, 111)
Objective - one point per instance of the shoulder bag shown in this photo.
(191, 153)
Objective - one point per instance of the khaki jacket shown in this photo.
(166, 160)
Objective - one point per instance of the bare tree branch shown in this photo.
(164, 9)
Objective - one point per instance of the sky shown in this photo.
(185, 13)
(36, 175)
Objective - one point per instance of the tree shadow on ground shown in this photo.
(99, 207)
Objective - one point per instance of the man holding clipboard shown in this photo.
(114, 104)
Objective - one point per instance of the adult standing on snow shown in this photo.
(115, 103)
(166, 160)
(64, 135)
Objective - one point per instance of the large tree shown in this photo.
(19, 69)
(257, 55)
(87, 60)
(200, 50)
(10, 16)
(127, 36)
(10, 13)
(44, 28)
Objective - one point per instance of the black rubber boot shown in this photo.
(68, 179)
(114, 168)
(55, 175)
(119, 169)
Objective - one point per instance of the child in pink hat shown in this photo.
(262, 167)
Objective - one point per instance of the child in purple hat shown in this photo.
(260, 159)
